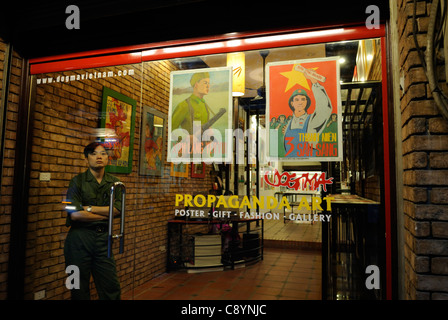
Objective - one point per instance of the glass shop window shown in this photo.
(231, 111)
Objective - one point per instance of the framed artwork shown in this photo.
(200, 113)
(118, 122)
(303, 108)
(179, 170)
(152, 142)
(198, 170)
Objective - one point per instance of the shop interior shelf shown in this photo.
(218, 243)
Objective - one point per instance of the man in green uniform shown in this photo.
(194, 108)
(88, 211)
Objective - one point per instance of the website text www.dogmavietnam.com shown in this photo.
(85, 76)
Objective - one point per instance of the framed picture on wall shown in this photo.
(198, 170)
(179, 170)
(152, 142)
(118, 122)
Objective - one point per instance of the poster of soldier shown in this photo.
(303, 106)
(200, 116)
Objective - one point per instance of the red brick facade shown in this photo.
(66, 112)
(425, 164)
(7, 174)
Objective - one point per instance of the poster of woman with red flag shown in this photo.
(304, 110)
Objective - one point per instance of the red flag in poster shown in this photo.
(304, 110)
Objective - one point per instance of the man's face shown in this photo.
(203, 86)
(299, 103)
(98, 158)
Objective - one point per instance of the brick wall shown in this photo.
(66, 114)
(7, 174)
(425, 165)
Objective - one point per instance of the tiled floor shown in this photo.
(286, 272)
(283, 274)
(292, 234)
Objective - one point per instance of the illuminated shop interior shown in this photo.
(68, 111)
(318, 170)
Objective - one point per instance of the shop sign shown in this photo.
(303, 182)
(199, 206)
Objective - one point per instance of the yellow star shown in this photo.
(296, 77)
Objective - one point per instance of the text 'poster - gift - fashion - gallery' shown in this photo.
(304, 110)
(200, 116)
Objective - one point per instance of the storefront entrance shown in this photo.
(133, 102)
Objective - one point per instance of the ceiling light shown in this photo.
(194, 47)
(294, 36)
(234, 43)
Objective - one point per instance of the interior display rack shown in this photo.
(213, 245)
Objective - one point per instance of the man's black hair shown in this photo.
(90, 148)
